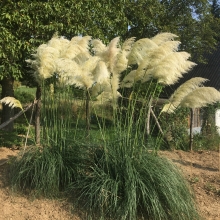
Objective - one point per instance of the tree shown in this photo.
(26, 24)
(191, 20)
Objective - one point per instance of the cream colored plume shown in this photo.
(140, 50)
(127, 45)
(163, 37)
(121, 63)
(101, 73)
(87, 69)
(84, 42)
(186, 88)
(78, 45)
(106, 97)
(11, 102)
(75, 40)
(60, 44)
(98, 47)
(115, 61)
(82, 57)
(171, 68)
(169, 108)
(163, 51)
(115, 81)
(90, 64)
(129, 79)
(45, 61)
(98, 88)
(70, 73)
(201, 97)
(67, 71)
(181, 92)
(111, 53)
(159, 58)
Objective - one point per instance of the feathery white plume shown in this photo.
(140, 49)
(60, 44)
(127, 45)
(200, 97)
(98, 47)
(67, 70)
(181, 92)
(112, 52)
(186, 88)
(121, 63)
(106, 97)
(163, 37)
(128, 80)
(101, 73)
(11, 102)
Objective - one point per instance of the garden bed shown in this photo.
(201, 169)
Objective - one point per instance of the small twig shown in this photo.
(157, 122)
(16, 116)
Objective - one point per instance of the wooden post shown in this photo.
(191, 129)
(148, 119)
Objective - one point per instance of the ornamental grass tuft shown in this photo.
(120, 183)
(45, 171)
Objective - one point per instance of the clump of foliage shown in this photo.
(12, 139)
(114, 174)
(46, 171)
(209, 137)
(24, 97)
(122, 183)
(176, 128)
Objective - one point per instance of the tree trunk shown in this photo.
(37, 115)
(7, 112)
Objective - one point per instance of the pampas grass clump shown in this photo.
(119, 180)
(120, 183)
(44, 171)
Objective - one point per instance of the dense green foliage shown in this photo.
(191, 20)
(209, 138)
(24, 25)
(176, 128)
(46, 171)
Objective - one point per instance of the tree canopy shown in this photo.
(26, 24)
(191, 20)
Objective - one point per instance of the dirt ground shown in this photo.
(201, 169)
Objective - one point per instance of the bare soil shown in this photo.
(201, 169)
